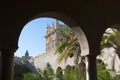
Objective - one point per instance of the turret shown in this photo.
(26, 53)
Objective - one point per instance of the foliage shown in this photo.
(117, 77)
(48, 72)
(70, 73)
(59, 73)
(102, 72)
(19, 70)
(32, 76)
(68, 46)
(73, 73)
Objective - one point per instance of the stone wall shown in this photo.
(41, 60)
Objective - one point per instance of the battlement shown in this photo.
(52, 37)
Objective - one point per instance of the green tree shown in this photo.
(69, 73)
(59, 73)
(19, 70)
(48, 72)
(32, 76)
(103, 73)
(73, 73)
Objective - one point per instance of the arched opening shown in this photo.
(39, 61)
(110, 54)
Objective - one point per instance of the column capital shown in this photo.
(7, 51)
(10, 47)
(91, 57)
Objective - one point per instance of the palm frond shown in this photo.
(69, 46)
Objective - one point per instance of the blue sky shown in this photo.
(32, 37)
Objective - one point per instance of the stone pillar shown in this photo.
(91, 68)
(6, 63)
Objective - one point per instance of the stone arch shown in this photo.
(72, 24)
(82, 39)
(112, 59)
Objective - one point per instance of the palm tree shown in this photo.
(110, 39)
(68, 46)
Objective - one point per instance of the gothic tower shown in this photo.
(52, 36)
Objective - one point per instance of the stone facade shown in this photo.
(41, 60)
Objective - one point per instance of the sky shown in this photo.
(32, 37)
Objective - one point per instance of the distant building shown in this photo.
(19, 60)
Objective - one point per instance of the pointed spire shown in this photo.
(57, 21)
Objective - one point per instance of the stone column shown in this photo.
(6, 63)
(91, 68)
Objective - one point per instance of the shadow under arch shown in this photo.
(82, 39)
